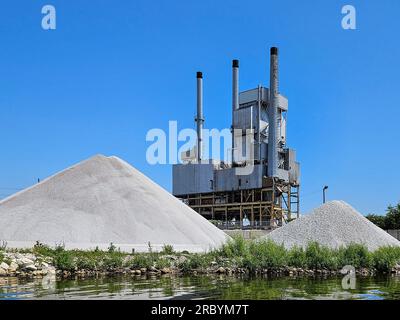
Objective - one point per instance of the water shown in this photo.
(198, 287)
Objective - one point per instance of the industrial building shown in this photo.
(267, 195)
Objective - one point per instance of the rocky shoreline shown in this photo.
(29, 265)
(25, 264)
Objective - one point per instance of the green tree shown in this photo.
(393, 217)
(380, 221)
(389, 221)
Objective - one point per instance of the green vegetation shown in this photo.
(254, 256)
(3, 258)
(3, 245)
(168, 249)
(195, 261)
(142, 260)
(264, 255)
(319, 257)
(70, 260)
(389, 221)
(357, 256)
(297, 258)
(384, 259)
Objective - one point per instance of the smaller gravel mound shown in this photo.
(333, 225)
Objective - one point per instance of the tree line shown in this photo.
(389, 221)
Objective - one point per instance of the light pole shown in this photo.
(323, 194)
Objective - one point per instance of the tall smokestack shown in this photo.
(235, 84)
(199, 118)
(273, 115)
(235, 97)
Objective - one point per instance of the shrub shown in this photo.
(163, 263)
(64, 260)
(265, 254)
(113, 260)
(167, 249)
(195, 261)
(141, 260)
(385, 258)
(234, 248)
(3, 245)
(319, 257)
(86, 262)
(43, 250)
(111, 248)
(356, 255)
(297, 257)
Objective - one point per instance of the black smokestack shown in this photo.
(274, 51)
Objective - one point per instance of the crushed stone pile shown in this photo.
(334, 224)
(99, 201)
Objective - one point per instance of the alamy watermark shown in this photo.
(49, 20)
(216, 144)
(349, 21)
(349, 280)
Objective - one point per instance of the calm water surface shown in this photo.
(198, 287)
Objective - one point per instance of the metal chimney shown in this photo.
(199, 117)
(235, 98)
(235, 84)
(273, 115)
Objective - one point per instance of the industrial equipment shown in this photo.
(266, 197)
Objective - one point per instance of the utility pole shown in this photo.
(323, 194)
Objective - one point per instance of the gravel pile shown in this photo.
(333, 225)
(99, 201)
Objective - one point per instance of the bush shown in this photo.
(64, 260)
(385, 258)
(319, 257)
(234, 248)
(113, 260)
(297, 257)
(356, 255)
(195, 261)
(86, 262)
(265, 254)
(163, 263)
(111, 248)
(43, 250)
(141, 260)
(3, 245)
(167, 249)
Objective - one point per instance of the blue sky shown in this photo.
(112, 70)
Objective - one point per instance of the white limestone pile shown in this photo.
(334, 224)
(99, 201)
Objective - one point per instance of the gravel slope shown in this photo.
(334, 224)
(103, 200)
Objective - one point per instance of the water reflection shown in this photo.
(198, 287)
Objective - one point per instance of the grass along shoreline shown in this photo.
(238, 256)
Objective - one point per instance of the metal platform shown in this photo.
(264, 208)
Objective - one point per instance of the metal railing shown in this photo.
(236, 225)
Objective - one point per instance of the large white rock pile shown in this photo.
(99, 201)
(334, 224)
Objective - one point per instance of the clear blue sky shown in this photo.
(112, 70)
